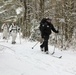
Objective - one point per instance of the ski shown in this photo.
(56, 56)
(52, 54)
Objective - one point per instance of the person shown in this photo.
(45, 28)
(5, 30)
(13, 30)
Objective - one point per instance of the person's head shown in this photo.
(48, 19)
(14, 23)
(5, 23)
(43, 20)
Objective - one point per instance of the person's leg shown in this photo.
(46, 43)
(3, 34)
(14, 35)
(6, 35)
(42, 46)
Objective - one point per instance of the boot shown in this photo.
(41, 48)
(47, 52)
(13, 42)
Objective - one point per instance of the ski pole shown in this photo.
(55, 44)
(35, 44)
(53, 51)
(7, 36)
(20, 37)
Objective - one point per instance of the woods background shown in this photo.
(28, 14)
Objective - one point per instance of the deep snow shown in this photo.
(21, 59)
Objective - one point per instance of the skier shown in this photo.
(45, 28)
(13, 30)
(5, 30)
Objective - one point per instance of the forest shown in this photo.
(28, 14)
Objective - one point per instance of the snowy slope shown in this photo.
(21, 59)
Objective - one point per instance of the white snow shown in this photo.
(62, 20)
(2, 11)
(21, 59)
(19, 10)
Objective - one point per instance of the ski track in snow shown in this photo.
(21, 59)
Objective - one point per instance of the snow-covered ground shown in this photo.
(21, 59)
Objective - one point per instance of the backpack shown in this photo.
(13, 28)
(45, 28)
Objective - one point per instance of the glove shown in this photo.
(18, 28)
(10, 31)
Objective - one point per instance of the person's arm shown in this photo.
(53, 29)
(19, 29)
(40, 27)
(10, 28)
(2, 26)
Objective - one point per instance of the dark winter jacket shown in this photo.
(46, 27)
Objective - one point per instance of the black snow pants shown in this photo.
(45, 43)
